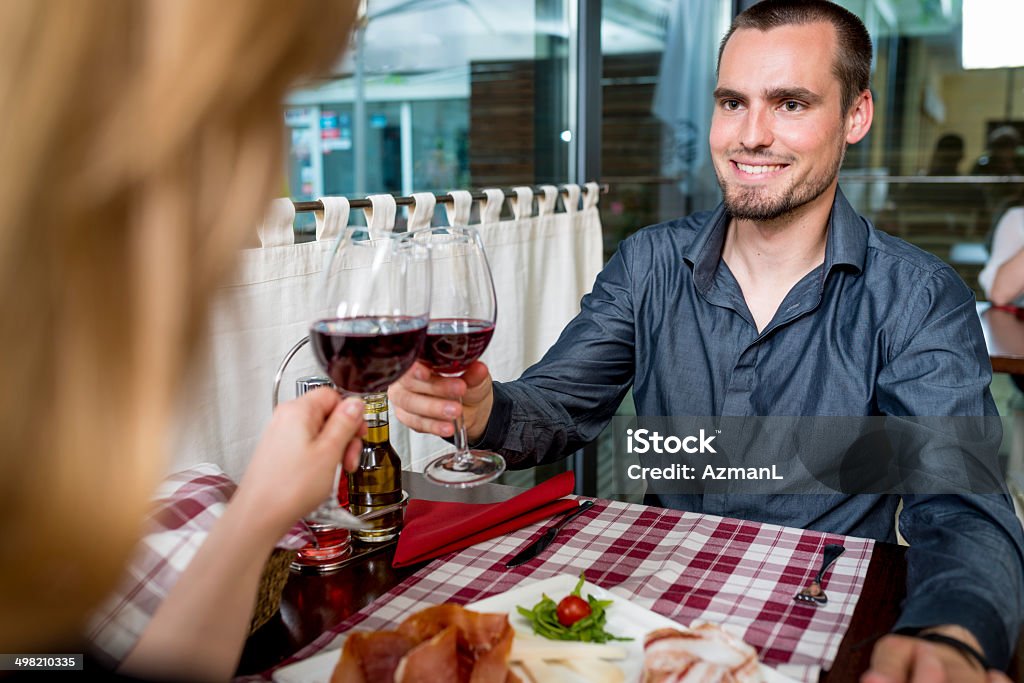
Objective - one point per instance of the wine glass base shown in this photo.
(484, 467)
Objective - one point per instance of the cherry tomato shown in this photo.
(571, 609)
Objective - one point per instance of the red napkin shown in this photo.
(432, 528)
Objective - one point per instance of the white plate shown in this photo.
(625, 619)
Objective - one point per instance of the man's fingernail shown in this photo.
(420, 373)
(450, 410)
(353, 407)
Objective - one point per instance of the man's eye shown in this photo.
(730, 105)
(792, 105)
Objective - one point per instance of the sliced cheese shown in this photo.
(551, 650)
(596, 670)
(539, 671)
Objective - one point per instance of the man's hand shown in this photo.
(428, 403)
(903, 659)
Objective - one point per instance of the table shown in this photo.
(1004, 338)
(312, 604)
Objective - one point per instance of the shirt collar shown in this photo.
(847, 236)
(846, 243)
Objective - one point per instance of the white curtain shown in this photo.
(682, 98)
(255, 319)
(542, 266)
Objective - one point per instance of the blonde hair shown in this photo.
(139, 143)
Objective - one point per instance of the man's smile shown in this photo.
(756, 171)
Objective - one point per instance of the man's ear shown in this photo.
(858, 119)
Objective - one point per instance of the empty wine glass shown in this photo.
(463, 311)
(373, 304)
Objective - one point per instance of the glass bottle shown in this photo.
(378, 481)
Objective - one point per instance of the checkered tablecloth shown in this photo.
(185, 508)
(688, 567)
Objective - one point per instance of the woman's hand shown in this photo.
(293, 467)
(199, 630)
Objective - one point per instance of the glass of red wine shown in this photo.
(371, 324)
(463, 310)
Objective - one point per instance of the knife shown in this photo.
(537, 547)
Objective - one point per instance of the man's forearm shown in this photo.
(965, 569)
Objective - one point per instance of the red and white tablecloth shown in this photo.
(185, 508)
(688, 567)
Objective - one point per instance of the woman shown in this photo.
(139, 144)
(1003, 275)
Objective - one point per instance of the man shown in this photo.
(783, 301)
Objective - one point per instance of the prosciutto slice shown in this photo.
(706, 654)
(441, 643)
(430, 661)
(371, 657)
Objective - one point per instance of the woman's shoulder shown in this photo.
(1013, 216)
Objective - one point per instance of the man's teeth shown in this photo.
(757, 169)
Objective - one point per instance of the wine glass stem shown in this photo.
(462, 456)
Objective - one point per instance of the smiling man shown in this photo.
(782, 302)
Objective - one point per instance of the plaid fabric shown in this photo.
(685, 566)
(185, 507)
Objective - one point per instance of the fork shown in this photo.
(814, 594)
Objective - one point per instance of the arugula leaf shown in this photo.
(590, 629)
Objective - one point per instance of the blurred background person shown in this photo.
(949, 152)
(141, 142)
(1003, 275)
(1002, 278)
(943, 205)
(1002, 157)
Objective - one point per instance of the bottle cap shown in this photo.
(306, 384)
(375, 403)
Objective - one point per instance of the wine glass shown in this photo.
(462, 314)
(371, 323)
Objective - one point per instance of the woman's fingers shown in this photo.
(353, 452)
(344, 424)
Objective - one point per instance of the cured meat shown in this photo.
(484, 640)
(431, 661)
(706, 654)
(441, 643)
(370, 657)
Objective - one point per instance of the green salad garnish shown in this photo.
(546, 621)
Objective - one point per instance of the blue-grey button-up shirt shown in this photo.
(880, 328)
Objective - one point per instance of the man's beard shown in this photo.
(758, 204)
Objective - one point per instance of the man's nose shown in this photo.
(757, 130)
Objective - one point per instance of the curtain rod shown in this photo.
(317, 205)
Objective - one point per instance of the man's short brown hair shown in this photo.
(852, 63)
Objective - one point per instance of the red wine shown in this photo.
(366, 354)
(454, 343)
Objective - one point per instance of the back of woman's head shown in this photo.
(139, 141)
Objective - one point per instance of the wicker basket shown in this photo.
(272, 581)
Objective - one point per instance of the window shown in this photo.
(436, 95)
